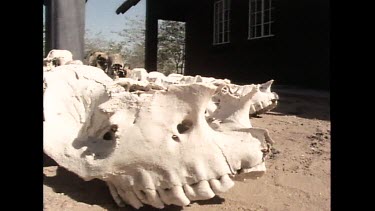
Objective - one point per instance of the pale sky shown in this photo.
(101, 16)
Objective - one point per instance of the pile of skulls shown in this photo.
(155, 139)
(58, 57)
(113, 64)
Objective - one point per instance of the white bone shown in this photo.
(139, 74)
(57, 57)
(152, 147)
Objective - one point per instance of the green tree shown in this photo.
(130, 42)
(171, 47)
(133, 41)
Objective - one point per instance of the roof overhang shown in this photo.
(126, 6)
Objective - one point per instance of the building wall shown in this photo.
(298, 54)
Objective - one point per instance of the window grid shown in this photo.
(221, 22)
(259, 24)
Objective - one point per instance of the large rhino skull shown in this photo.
(155, 148)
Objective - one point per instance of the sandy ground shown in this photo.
(297, 177)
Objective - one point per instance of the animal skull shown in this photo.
(116, 66)
(56, 58)
(98, 59)
(152, 148)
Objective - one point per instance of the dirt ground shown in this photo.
(297, 177)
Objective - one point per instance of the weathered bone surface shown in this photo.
(264, 100)
(56, 58)
(77, 62)
(261, 101)
(153, 146)
(257, 99)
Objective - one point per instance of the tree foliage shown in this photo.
(130, 42)
(171, 47)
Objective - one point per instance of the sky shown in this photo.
(101, 16)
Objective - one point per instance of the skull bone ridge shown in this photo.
(156, 149)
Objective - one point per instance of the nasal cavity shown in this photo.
(184, 126)
(110, 135)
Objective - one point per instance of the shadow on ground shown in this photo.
(310, 107)
(95, 192)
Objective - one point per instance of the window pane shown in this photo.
(252, 20)
(220, 5)
(258, 31)
(220, 37)
(266, 4)
(259, 5)
(253, 6)
(270, 28)
(252, 34)
(226, 14)
(258, 18)
(266, 29)
(266, 16)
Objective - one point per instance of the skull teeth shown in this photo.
(222, 185)
(177, 195)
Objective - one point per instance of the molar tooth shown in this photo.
(203, 190)
(190, 193)
(179, 197)
(259, 106)
(252, 109)
(222, 185)
(174, 195)
(130, 198)
(140, 195)
(115, 194)
(154, 199)
(165, 196)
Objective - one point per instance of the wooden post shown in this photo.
(65, 26)
(151, 42)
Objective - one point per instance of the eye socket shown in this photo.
(108, 136)
(184, 126)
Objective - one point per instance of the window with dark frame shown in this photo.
(221, 22)
(260, 19)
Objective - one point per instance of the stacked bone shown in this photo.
(57, 57)
(154, 139)
(113, 64)
(262, 101)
